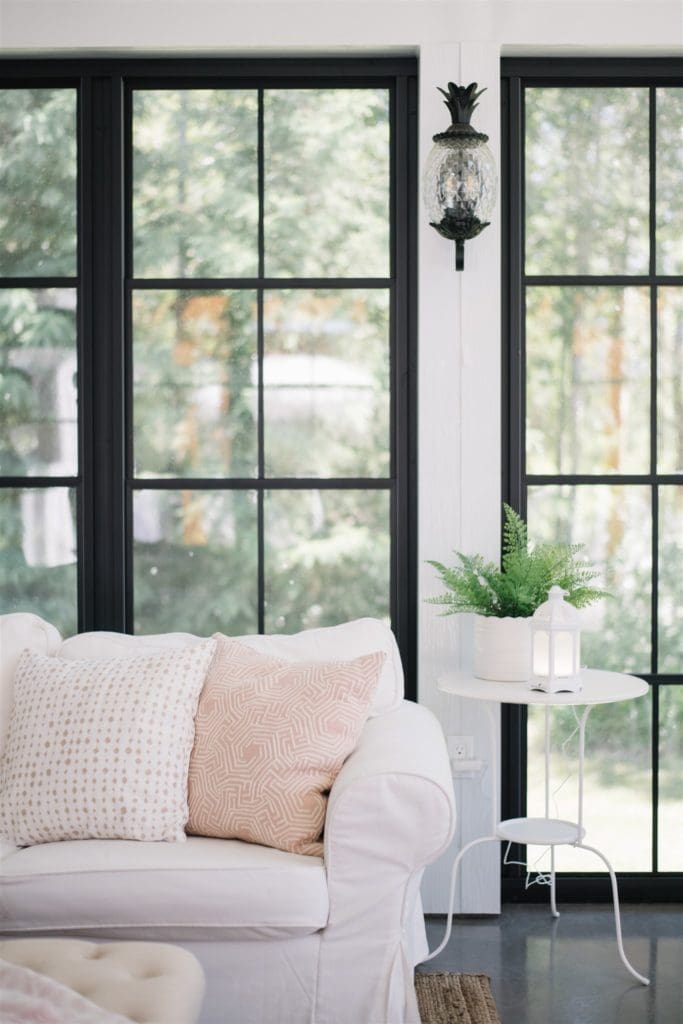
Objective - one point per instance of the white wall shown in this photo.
(459, 319)
(460, 451)
(327, 25)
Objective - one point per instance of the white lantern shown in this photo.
(556, 645)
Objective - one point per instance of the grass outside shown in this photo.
(617, 808)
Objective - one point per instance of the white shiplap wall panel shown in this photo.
(459, 454)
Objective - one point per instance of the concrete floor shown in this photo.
(568, 971)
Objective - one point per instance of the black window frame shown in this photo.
(516, 74)
(104, 282)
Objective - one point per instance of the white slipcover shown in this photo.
(213, 884)
(20, 631)
(282, 939)
(328, 643)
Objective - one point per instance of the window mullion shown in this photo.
(260, 497)
(101, 319)
(652, 144)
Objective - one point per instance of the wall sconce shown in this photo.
(459, 184)
(556, 645)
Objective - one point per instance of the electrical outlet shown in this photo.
(460, 748)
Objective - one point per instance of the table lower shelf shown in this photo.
(540, 831)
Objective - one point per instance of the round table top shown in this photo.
(599, 687)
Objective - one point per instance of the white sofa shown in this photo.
(282, 938)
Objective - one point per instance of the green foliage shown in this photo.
(195, 408)
(586, 180)
(38, 182)
(522, 583)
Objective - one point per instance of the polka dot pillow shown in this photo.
(100, 749)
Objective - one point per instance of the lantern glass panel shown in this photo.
(541, 653)
(563, 655)
(459, 176)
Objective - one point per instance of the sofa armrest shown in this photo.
(391, 812)
(398, 784)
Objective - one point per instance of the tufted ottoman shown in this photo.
(149, 982)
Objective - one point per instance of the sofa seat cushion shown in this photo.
(224, 885)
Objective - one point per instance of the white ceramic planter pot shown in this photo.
(502, 648)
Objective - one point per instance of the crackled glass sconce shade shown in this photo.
(459, 182)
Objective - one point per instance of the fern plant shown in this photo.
(523, 581)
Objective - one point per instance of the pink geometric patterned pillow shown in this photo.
(270, 739)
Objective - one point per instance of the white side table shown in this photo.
(598, 688)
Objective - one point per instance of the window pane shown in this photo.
(670, 380)
(194, 561)
(195, 171)
(588, 370)
(194, 383)
(327, 182)
(327, 557)
(38, 554)
(670, 577)
(617, 786)
(326, 379)
(38, 182)
(670, 849)
(669, 178)
(587, 181)
(614, 524)
(38, 412)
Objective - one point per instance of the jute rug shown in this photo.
(455, 999)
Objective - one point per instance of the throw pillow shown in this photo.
(100, 749)
(270, 739)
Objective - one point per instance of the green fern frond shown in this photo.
(524, 579)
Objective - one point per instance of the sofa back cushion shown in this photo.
(100, 749)
(270, 739)
(20, 631)
(327, 643)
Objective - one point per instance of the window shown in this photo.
(243, 454)
(594, 282)
(39, 455)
